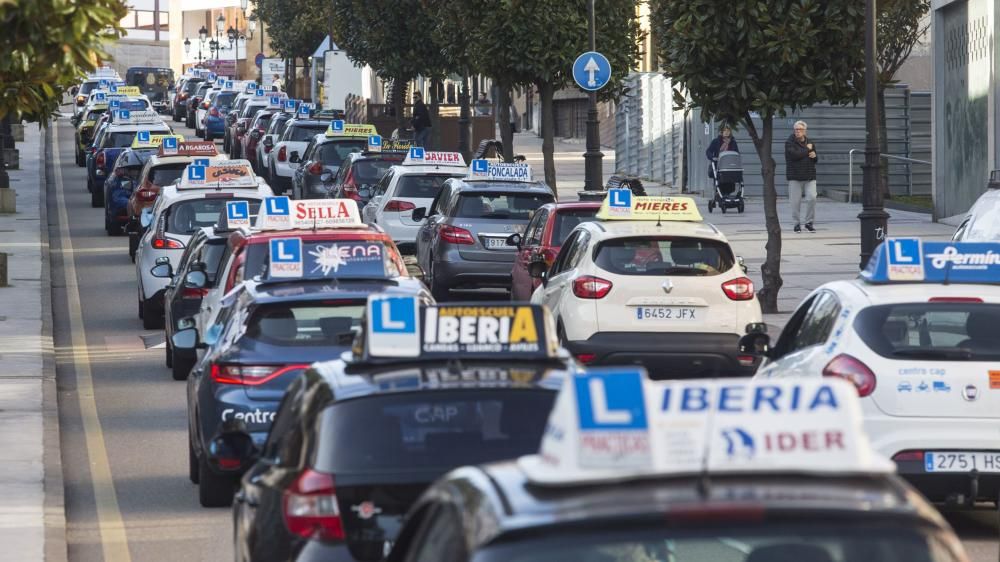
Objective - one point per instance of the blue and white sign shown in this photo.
(114, 104)
(238, 214)
(393, 329)
(229, 84)
(337, 126)
(212, 76)
(612, 419)
(103, 84)
(113, 88)
(143, 137)
(913, 260)
(274, 101)
(591, 71)
(196, 174)
(904, 259)
(291, 105)
(251, 88)
(375, 143)
(101, 97)
(619, 202)
(275, 213)
(124, 114)
(416, 153)
(259, 93)
(490, 171)
(201, 162)
(480, 166)
(305, 109)
(285, 258)
(169, 145)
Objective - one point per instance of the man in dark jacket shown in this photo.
(800, 169)
(421, 121)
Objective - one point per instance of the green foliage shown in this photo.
(295, 32)
(46, 47)
(900, 25)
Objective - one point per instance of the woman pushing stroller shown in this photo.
(726, 170)
(722, 143)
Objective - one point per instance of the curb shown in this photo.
(56, 548)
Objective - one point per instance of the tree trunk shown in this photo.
(546, 91)
(883, 145)
(4, 139)
(435, 140)
(771, 269)
(503, 115)
(399, 101)
(464, 118)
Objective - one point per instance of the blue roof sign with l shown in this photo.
(392, 327)
(591, 71)
(142, 137)
(237, 213)
(286, 258)
(902, 260)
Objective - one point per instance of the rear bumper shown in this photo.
(317, 551)
(667, 355)
(461, 274)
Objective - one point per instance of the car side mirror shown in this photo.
(294, 157)
(420, 213)
(241, 128)
(742, 264)
(146, 218)
(538, 270)
(268, 141)
(514, 240)
(364, 192)
(162, 270)
(196, 280)
(756, 344)
(327, 177)
(233, 445)
(186, 339)
(255, 134)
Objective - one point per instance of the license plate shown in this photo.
(667, 313)
(496, 244)
(957, 461)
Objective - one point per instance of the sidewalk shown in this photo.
(32, 520)
(807, 260)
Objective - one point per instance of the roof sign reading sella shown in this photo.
(911, 260)
(281, 213)
(616, 424)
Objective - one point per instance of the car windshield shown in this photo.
(224, 100)
(494, 205)
(664, 255)
(567, 220)
(342, 259)
(334, 153)
(88, 87)
(332, 323)
(165, 174)
(421, 187)
(185, 217)
(94, 114)
(432, 430)
(304, 133)
(829, 540)
(943, 331)
(369, 171)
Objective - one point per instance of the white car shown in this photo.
(918, 336)
(661, 289)
(202, 111)
(180, 210)
(298, 133)
(410, 186)
(982, 223)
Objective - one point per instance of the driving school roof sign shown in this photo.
(417, 156)
(902, 260)
(615, 424)
(622, 204)
(229, 173)
(280, 213)
(492, 171)
(148, 140)
(338, 128)
(196, 148)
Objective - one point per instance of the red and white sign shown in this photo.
(315, 213)
(436, 159)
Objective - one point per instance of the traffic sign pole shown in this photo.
(593, 157)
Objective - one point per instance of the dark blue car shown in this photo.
(119, 185)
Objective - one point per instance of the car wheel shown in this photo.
(214, 490)
(133, 245)
(151, 319)
(169, 354)
(192, 463)
(208, 136)
(438, 290)
(80, 161)
(181, 368)
(96, 197)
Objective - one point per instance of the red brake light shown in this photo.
(852, 370)
(215, 112)
(167, 244)
(455, 235)
(100, 160)
(147, 194)
(315, 169)
(250, 375)
(184, 97)
(311, 509)
(549, 255)
(909, 456)
(739, 289)
(282, 154)
(955, 299)
(193, 293)
(586, 358)
(590, 287)
(397, 206)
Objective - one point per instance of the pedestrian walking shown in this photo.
(725, 142)
(276, 85)
(483, 105)
(421, 121)
(800, 169)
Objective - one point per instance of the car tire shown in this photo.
(438, 291)
(180, 368)
(151, 318)
(96, 197)
(208, 136)
(90, 184)
(168, 356)
(133, 245)
(214, 490)
(192, 463)
(80, 159)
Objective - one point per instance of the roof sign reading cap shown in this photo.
(909, 260)
(417, 156)
(392, 326)
(338, 128)
(285, 259)
(485, 170)
(237, 214)
(615, 424)
(622, 204)
(280, 213)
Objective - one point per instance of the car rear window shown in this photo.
(88, 87)
(225, 100)
(368, 171)
(346, 259)
(420, 187)
(493, 205)
(165, 174)
(431, 430)
(331, 323)
(251, 111)
(567, 220)
(120, 139)
(211, 256)
(94, 114)
(334, 153)
(666, 255)
(933, 331)
(263, 121)
(300, 133)
(185, 217)
(192, 85)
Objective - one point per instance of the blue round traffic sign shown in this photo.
(591, 71)
(259, 59)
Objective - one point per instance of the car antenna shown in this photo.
(704, 484)
(658, 223)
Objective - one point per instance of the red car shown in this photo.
(255, 130)
(543, 237)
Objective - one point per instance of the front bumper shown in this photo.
(666, 355)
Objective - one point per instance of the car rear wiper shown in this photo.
(696, 271)
(924, 353)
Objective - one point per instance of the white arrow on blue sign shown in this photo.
(591, 71)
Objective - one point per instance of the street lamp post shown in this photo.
(593, 172)
(874, 219)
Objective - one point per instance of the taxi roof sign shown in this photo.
(290, 106)
(397, 329)
(615, 424)
(137, 117)
(911, 260)
(338, 128)
(152, 141)
(622, 204)
(281, 213)
(417, 156)
(125, 90)
(484, 170)
(221, 173)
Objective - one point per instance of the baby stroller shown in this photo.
(727, 172)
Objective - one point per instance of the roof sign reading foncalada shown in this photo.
(285, 259)
(152, 141)
(622, 204)
(338, 128)
(484, 170)
(417, 156)
(614, 424)
(223, 173)
(237, 214)
(908, 260)
(279, 213)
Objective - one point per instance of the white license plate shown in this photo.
(957, 461)
(667, 313)
(496, 244)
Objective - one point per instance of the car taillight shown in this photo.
(214, 112)
(282, 154)
(316, 168)
(549, 255)
(398, 206)
(456, 235)
(590, 287)
(204, 105)
(146, 194)
(101, 159)
(184, 97)
(251, 375)
(193, 293)
(586, 358)
(909, 456)
(163, 243)
(852, 370)
(739, 289)
(311, 509)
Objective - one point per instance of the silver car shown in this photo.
(463, 244)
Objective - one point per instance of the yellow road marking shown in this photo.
(114, 543)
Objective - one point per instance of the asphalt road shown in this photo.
(123, 425)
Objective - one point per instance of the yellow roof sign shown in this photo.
(621, 204)
(338, 128)
(153, 141)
